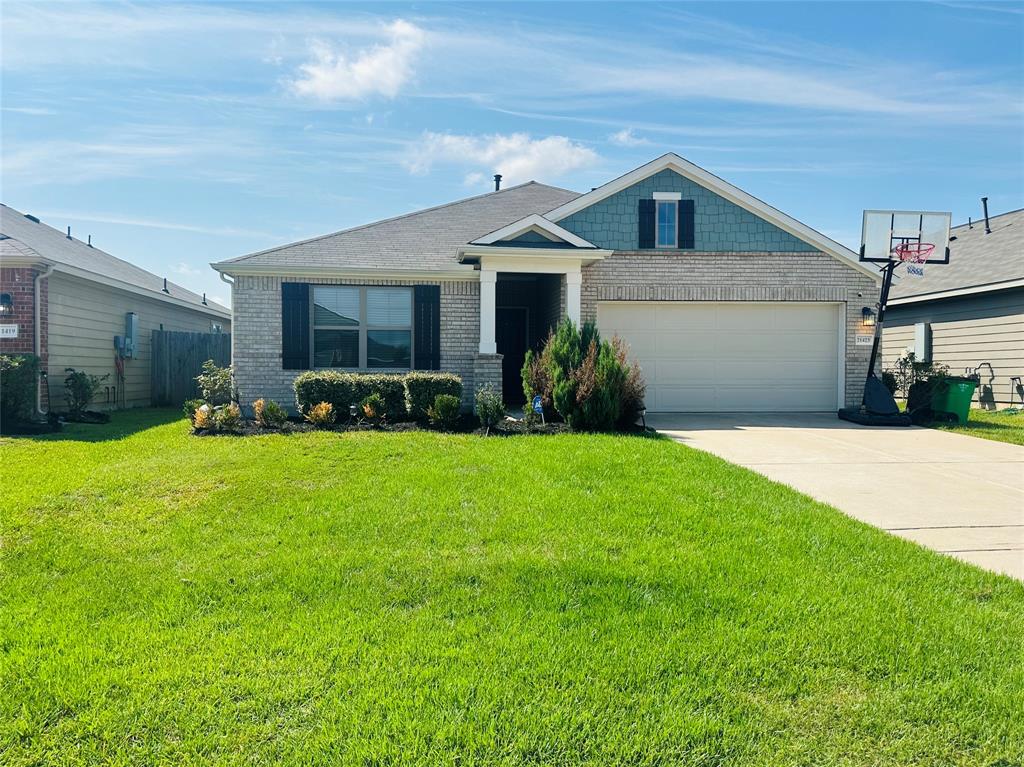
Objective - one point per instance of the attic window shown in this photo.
(666, 227)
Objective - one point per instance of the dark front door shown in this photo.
(511, 334)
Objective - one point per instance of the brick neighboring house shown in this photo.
(726, 302)
(84, 295)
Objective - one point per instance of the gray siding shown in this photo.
(983, 331)
(85, 316)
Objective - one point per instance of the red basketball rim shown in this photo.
(913, 251)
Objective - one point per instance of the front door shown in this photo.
(511, 335)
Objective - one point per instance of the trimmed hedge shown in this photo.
(344, 389)
(421, 389)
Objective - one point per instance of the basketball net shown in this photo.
(914, 254)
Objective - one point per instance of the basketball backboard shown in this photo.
(905, 235)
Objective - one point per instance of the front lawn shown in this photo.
(1002, 427)
(371, 599)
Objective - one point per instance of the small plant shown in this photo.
(908, 371)
(373, 408)
(489, 408)
(80, 389)
(202, 417)
(18, 377)
(422, 388)
(215, 383)
(228, 418)
(190, 407)
(321, 415)
(269, 414)
(444, 413)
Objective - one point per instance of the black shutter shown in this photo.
(685, 224)
(295, 326)
(645, 224)
(427, 327)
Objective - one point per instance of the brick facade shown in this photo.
(689, 276)
(256, 340)
(19, 284)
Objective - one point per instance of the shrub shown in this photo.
(907, 371)
(345, 389)
(422, 390)
(889, 381)
(215, 384)
(80, 388)
(373, 408)
(269, 414)
(536, 377)
(190, 407)
(489, 408)
(228, 418)
(444, 413)
(18, 377)
(321, 415)
(202, 418)
(593, 385)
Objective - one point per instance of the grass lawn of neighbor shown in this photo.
(420, 598)
(1002, 427)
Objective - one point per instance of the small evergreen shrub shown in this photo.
(18, 376)
(190, 407)
(269, 414)
(444, 413)
(80, 389)
(422, 390)
(215, 384)
(228, 418)
(373, 408)
(537, 378)
(488, 407)
(343, 390)
(321, 415)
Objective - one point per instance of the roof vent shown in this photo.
(30, 217)
(497, 182)
(69, 232)
(165, 287)
(984, 206)
(204, 300)
(89, 243)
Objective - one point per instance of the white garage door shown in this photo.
(742, 357)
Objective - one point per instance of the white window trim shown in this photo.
(677, 196)
(362, 329)
(675, 235)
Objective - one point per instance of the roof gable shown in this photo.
(533, 230)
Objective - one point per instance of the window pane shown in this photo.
(335, 306)
(389, 306)
(389, 348)
(336, 348)
(666, 224)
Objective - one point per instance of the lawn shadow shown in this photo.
(123, 423)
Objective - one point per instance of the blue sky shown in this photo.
(182, 134)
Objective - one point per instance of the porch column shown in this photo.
(573, 301)
(488, 280)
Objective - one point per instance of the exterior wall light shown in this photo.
(6, 304)
(868, 317)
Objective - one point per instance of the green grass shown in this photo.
(378, 599)
(1002, 427)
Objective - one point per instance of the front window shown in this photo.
(666, 224)
(362, 327)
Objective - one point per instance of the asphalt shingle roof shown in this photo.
(25, 237)
(424, 240)
(976, 259)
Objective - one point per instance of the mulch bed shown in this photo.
(468, 425)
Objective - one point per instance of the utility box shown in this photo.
(131, 335)
(922, 342)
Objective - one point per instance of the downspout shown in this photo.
(37, 343)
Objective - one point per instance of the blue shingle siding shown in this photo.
(721, 226)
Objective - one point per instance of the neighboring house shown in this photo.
(726, 302)
(968, 314)
(66, 301)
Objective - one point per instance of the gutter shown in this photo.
(37, 344)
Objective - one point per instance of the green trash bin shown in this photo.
(953, 395)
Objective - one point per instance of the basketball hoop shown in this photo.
(913, 252)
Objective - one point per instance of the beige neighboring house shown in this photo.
(66, 302)
(968, 314)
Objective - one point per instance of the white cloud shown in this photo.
(626, 137)
(379, 70)
(516, 156)
(184, 269)
(152, 223)
(474, 179)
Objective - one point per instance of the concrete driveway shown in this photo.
(956, 494)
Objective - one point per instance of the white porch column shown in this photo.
(573, 297)
(488, 280)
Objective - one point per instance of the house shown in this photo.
(66, 302)
(968, 315)
(726, 302)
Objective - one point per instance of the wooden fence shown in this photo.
(178, 358)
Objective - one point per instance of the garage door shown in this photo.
(744, 357)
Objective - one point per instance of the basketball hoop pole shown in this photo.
(883, 300)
